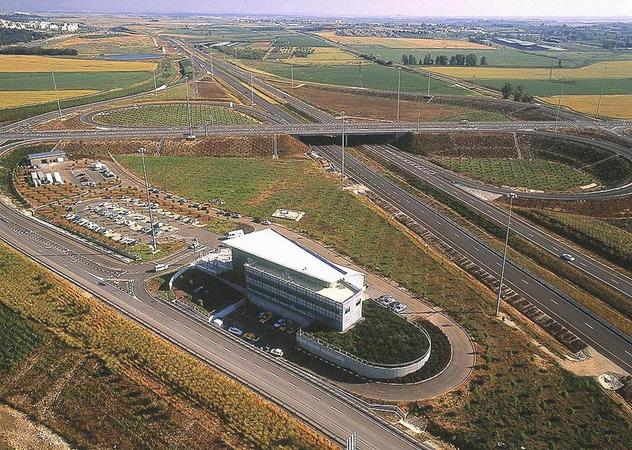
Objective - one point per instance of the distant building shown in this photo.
(44, 158)
(284, 277)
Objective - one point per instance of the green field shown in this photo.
(517, 396)
(42, 81)
(533, 174)
(576, 86)
(173, 114)
(370, 75)
(17, 337)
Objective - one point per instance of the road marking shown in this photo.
(554, 301)
(242, 357)
(228, 350)
(314, 397)
(628, 352)
(293, 385)
(614, 281)
(588, 326)
(336, 409)
(525, 281)
(274, 375)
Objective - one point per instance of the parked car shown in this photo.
(291, 328)
(279, 323)
(399, 307)
(276, 352)
(218, 322)
(264, 316)
(236, 331)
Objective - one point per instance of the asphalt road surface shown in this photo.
(121, 285)
(606, 339)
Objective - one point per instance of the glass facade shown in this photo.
(294, 298)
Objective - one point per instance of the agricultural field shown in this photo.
(533, 174)
(173, 114)
(108, 44)
(385, 108)
(42, 81)
(324, 56)
(11, 99)
(25, 63)
(502, 393)
(616, 106)
(73, 356)
(401, 42)
(366, 75)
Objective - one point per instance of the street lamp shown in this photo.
(342, 172)
(601, 91)
(52, 72)
(155, 86)
(186, 82)
(212, 69)
(252, 92)
(151, 216)
(559, 101)
(428, 83)
(399, 87)
(511, 196)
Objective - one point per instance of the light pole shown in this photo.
(212, 69)
(601, 90)
(252, 92)
(399, 87)
(155, 86)
(511, 196)
(151, 216)
(342, 172)
(292, 74)
(52, 72)
(559, 101)
(186, 82)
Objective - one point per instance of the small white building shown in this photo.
(45, 158)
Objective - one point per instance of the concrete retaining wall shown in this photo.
(359, 366)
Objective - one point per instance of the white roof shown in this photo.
(269, 245)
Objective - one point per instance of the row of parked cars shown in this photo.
(107, 232)
(249, 337)
(389, 302)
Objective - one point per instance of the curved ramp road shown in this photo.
(310, 398)
(606, 339)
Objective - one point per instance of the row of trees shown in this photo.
(459, 59)
(19, 50)
(518, 93)
(10, 36)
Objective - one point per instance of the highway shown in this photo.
(312, 399)
(606, 339)
(421, 169)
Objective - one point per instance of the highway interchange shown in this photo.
(320, 404)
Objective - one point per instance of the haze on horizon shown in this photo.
(334, 8)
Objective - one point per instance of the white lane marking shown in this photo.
(588, 326)
(614, 281)
(554, 301)
(336, 409)
(274, 375)
(242, 357)
(628, 352)
(525, 281)
(293, 385)
(314, 397)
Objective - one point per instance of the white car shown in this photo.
(236, 331)
(399, 307)
(218, 322)
(568, 257)
(276, 352)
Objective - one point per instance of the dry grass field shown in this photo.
(98, 45)
(11, 99)
(401, 42)
(616, 69)
(324, 55)
(22, 63)
(619, 106)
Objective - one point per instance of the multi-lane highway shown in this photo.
(423, 170)
(312, 399)
(606, 339)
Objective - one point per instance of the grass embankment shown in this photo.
(173, 115)
(382, 337)
(95, 358)
(518, 395)
(533, 174)
(599, 236)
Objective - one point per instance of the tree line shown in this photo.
(10, 36)
(518, 93)
(39, 51)
(459, 59)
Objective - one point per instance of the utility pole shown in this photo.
(155, 86)
(342, 172)
(151, 216)
(52, 72)
(418, 121)
(252, 92)
(601, 90)
(399, 88)
(212, 69)
(186, 82)
(559, 101)
(511, 196)
(292, 74)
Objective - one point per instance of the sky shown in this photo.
(361, 8)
